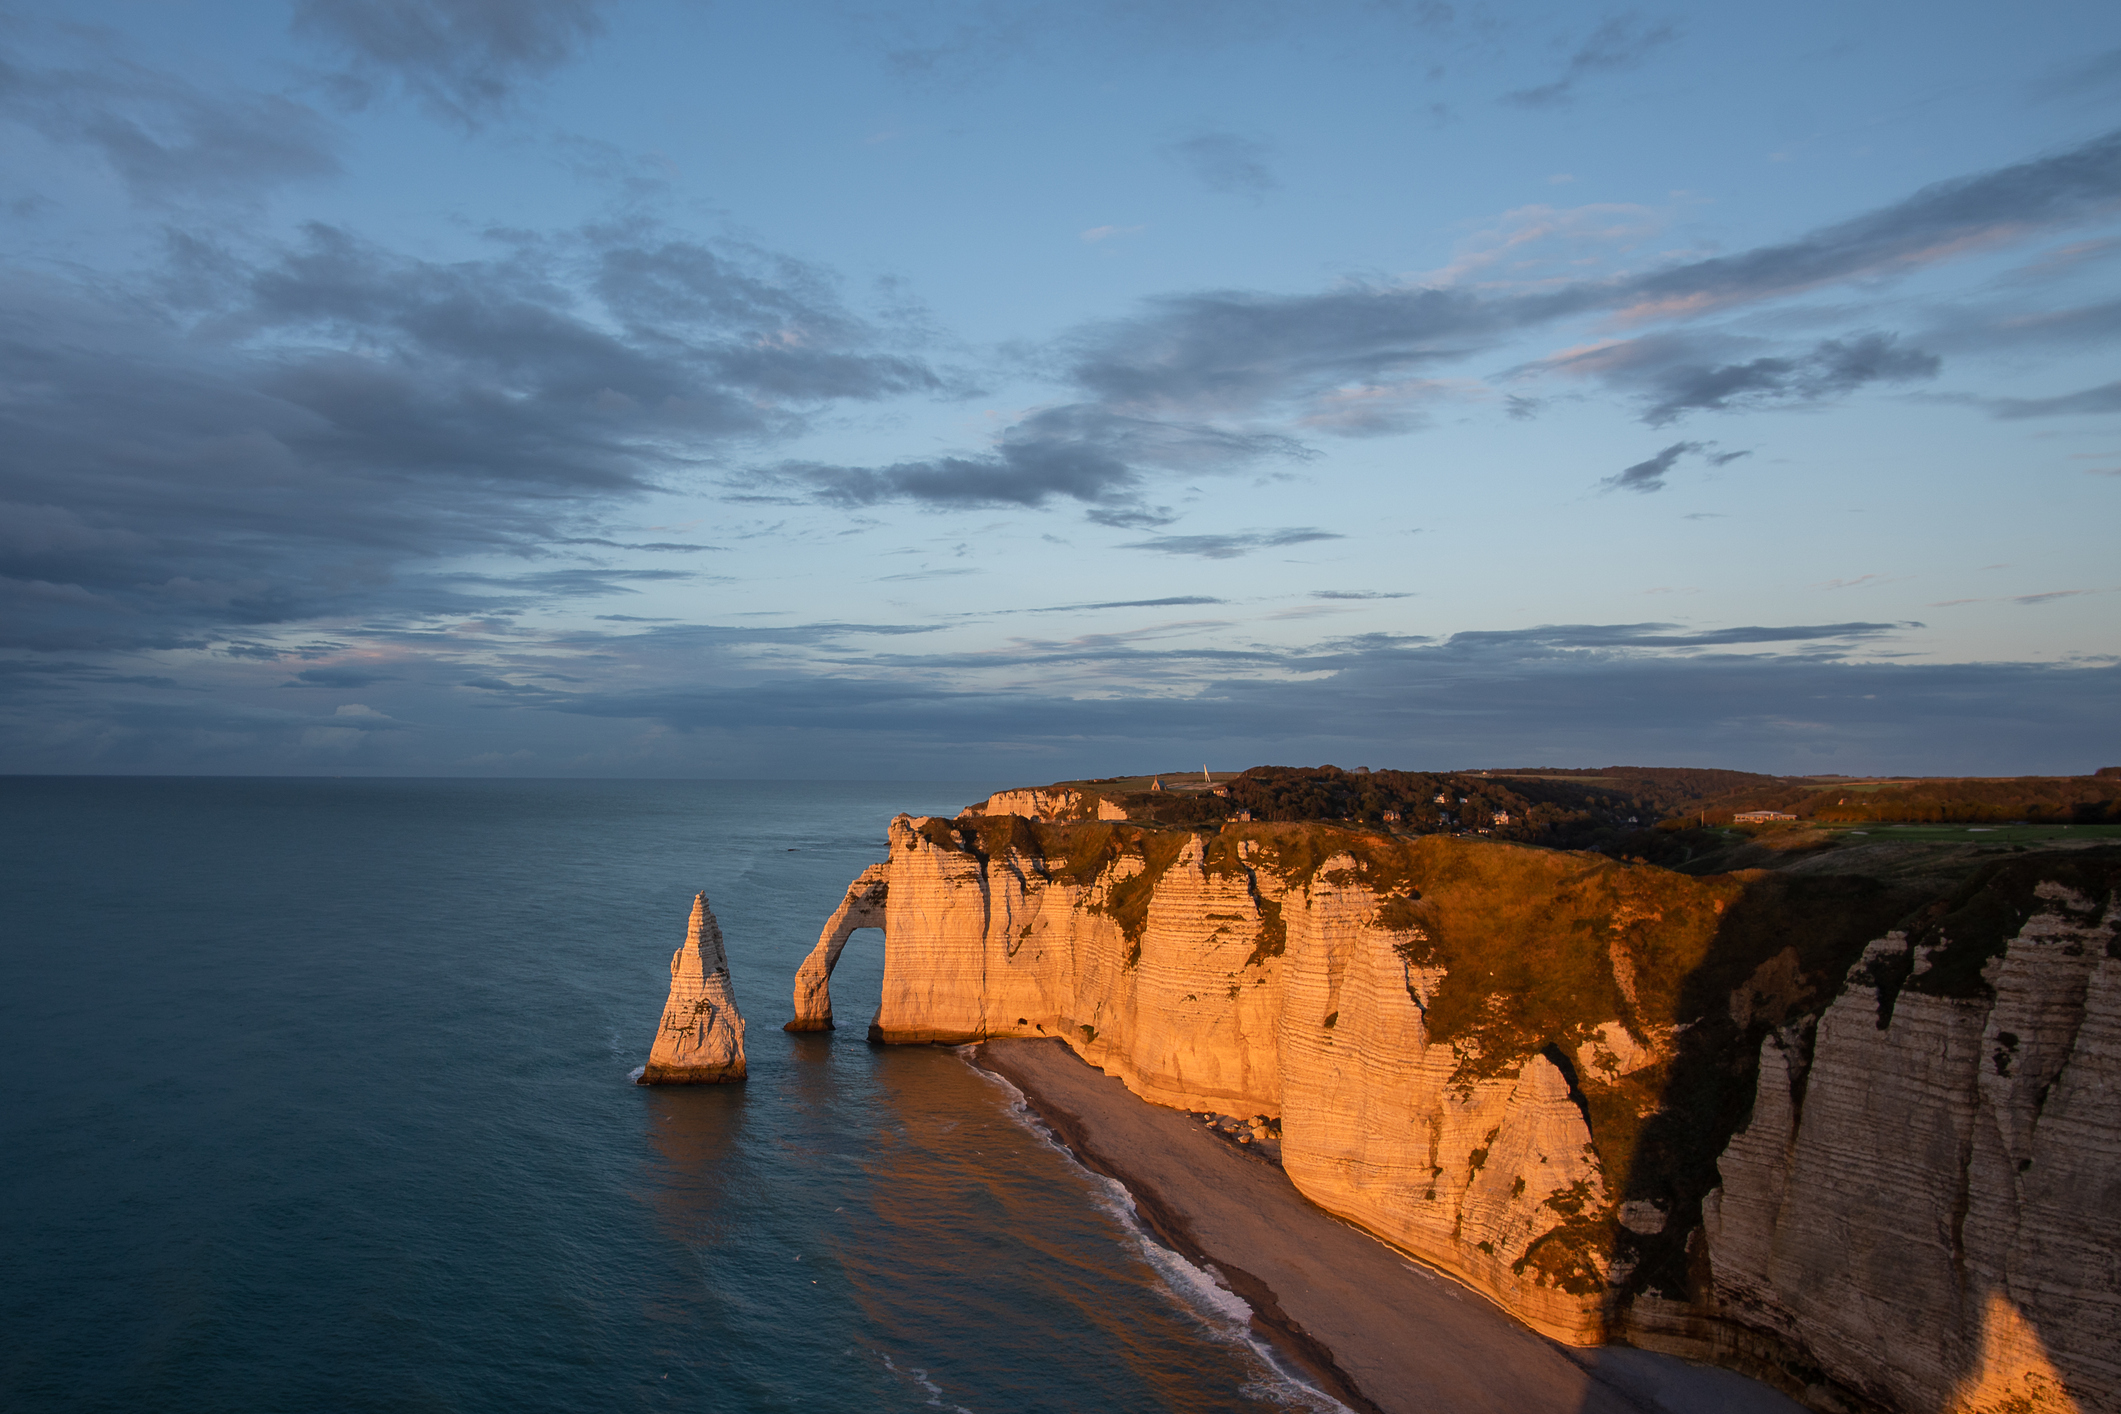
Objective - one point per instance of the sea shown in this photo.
(318, 1097)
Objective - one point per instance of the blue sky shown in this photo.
(577, 388)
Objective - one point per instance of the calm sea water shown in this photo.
(316, 1098)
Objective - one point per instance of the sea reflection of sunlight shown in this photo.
(696, 1132)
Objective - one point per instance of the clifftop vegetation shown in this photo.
(1612, 809)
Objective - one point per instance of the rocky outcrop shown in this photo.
(1738, 1118)
(863, 907)
(1050, 803)
(701, 1039)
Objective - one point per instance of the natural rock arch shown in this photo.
(862, 908)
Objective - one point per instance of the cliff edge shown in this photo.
(1855, 1133)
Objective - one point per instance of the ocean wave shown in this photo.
(920, 1377)
(1223, 1315)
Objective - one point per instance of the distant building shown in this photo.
(1440, 800)
(1759, 817)
(1391, 817)
(1244, 814)
(1223, 791)
(1502, 817)
(1156, 783)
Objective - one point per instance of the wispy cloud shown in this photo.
(2106, 398)
(1622, 43)
(462, 59)
(1229, 547)
(1226, 162)
(1648, 475)
(170, 141)
(1677, 379)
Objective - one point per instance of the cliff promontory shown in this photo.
(1851, 1126)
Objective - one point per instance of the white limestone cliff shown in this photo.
(1922, 1214)
(1320, 1028)
(863, 907)
(701, 1038)
(1050, 804)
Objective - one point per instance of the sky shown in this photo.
(1028, 391)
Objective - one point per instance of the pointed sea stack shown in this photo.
(701, 1041)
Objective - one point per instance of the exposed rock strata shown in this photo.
(701, 1039)
(1928, 1196)
(1699, 1115)
(1050, 804)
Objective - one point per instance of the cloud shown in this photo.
(2106, 398)
(167, 140)
(1531, 245)
(310, 432)
(462, 59)
(820, 699)
(1204, 370)
(1106, 233)
(2101, 71)
(1649, 475)
(1677, 379)
(1130, 517)
(1620, 44)
(1646, 476)
(1238, 352)
(1661, 636)
(342, 677)
(1079, 451)
(1938, 222)
(1229, 547)
(1173, 601)
(1357, 594)
(1225, 162)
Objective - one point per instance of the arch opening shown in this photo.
(863, 907)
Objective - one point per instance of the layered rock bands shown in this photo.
(1737, 1118)
(701, 1039)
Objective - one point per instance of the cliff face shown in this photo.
(1737, 1117)
(1928, 1195)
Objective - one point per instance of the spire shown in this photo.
(701, 1039)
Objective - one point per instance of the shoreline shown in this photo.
(1358, 1318)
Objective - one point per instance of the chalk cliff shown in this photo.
(1858, 1135)
(863, 907)
(701, 1038)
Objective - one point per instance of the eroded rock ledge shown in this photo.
(1859, 1137)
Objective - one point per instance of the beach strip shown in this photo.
(1370, 1326)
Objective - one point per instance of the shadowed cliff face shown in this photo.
(1581, 1084)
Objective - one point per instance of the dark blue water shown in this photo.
(316, 1098)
